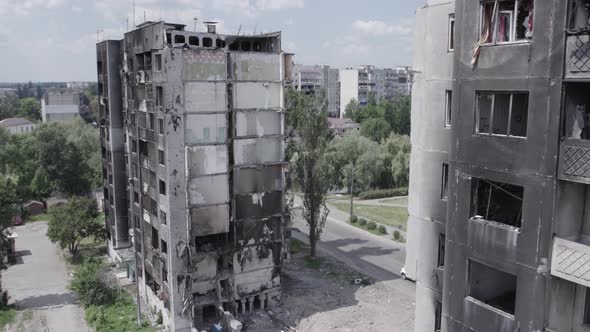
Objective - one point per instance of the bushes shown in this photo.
(383, 193)
(353, 219)
(371, 225)
(381, 229)
(90, 285)
(396, 235)
(362, 221)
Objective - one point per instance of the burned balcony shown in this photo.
(578, 40)
(574, 158)
(570, 260)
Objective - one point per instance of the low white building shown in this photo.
(18, 125)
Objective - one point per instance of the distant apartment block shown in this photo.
(17, 125)
(313, 79)
(60, 106)
(193, 162)
(367, 82)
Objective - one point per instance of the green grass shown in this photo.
(39, 217)
(313, 262)
(395, 200)
(295, 246)
(385, 215)
(121, 315)
(374, 231)
(7, 316)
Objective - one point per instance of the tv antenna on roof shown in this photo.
(239, 29)
(195, 19)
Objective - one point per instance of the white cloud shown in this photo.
(380, 28)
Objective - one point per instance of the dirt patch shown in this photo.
(323, 294)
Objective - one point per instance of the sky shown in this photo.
(54, 40)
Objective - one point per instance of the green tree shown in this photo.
(307, 115)
(29, 108)
(402, 115)
(74, 222)
(396, 151)
(356, 161)
(8, 107)
(376, 129)
(42, 186)
(39, 93)
(351, 109)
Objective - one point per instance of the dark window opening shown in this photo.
(159, 95)
(158, 62)
(220, 43)
(215, 240)
(448, 107)
(234, 46)
(451, 32)
(579, 14)
(210, 315)
(154, 207)
(135, 197)
(441, 250)
(151, 121)
(257, 46)
(256, 304)
(164, 246)
(164, 274)
(207, 42)
(502, 113)
(225, 288)
(143, 148)
(577, 111)
(168, 38)
(148, 60)
(437, 316)
(133, 146)
(587, 307)
(99, 67)
(139, 61)
(162, 188)
(444, 188)
(497, 201)
(179, 39)
(151, 283)
(492, 287)
(246, 46)
(155, 239)
(193, 41)
(163, 217)
(161, 157)
(161, 126)
(136, 222)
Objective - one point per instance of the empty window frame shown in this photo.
(179, 39)
(163, 217)
(155, 238)
(220, 43)
(162, 187)
(506, 21)
(444, 185)
(491, 286)
(161, 157)
(501, 113)
(587, 307)
(441, 250)
(497, 201)
(578, 14)
(164, 246)
(135, 197)
(193, 41)
(207, 42)
(158, 62)
(151, 121)
(577, 110)
(159, 95)
(161, 126)
(437, 316)
(451, 44)
(448, 107)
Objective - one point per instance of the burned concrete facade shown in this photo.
(513, 249)
(204, 154)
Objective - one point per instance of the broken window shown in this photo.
(193, 41)
(444, 187)
(136, 222)
(497, 201)
(161, 157)
(451, 45)
(161, 126)
(163, 217)
(577, 111)
(502, 113)
(437, 316)
(151, 121)
(155, 240)
(159, 95)
(441, 250)
(207, 42)
(164, 246)
(579, 17)
(158, 62)
(162, 188)
(154, 207)
(220, 43)
(505, 21)
(148, 60)
(179, 39)
(135, 197)
(448, 105)
(491, 286)
(143, 148)
(587, 307)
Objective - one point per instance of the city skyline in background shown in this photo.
(377, 32)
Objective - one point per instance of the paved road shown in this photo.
(39, 282)
(375, 256)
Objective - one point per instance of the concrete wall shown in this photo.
(349, 88)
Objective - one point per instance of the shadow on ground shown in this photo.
(48, 300)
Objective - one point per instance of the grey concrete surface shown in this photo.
(38, 282)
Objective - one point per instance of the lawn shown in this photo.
(7, 316)
(39, 217)
(385, 215)
(395, 200)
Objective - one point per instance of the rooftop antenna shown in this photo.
(239, 29)
(195, 19)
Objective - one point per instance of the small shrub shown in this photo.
(90, 285)
(382, 229)
(396, 235)
(353, 219)
(371, 225)
(295, 246)
(362, 221)
(383, 193)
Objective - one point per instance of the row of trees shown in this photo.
(320, 162)
(28, 108)
(379, 119)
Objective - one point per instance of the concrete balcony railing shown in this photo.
(577, 56)
(574, 160)
(571, 261)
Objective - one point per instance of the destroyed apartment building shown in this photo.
(193, 163)
(499, 228)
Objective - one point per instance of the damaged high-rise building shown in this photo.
(499, 233)
(193, 162)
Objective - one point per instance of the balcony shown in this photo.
(577, 62)
(574, 160)
(571, 261)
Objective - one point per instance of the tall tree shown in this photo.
(307, 115)
(350, 111)
(7, 212)
(376, 129)
(396, 149)
(402, 109)
(29, 108)
(39, 93)
(74, 222)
